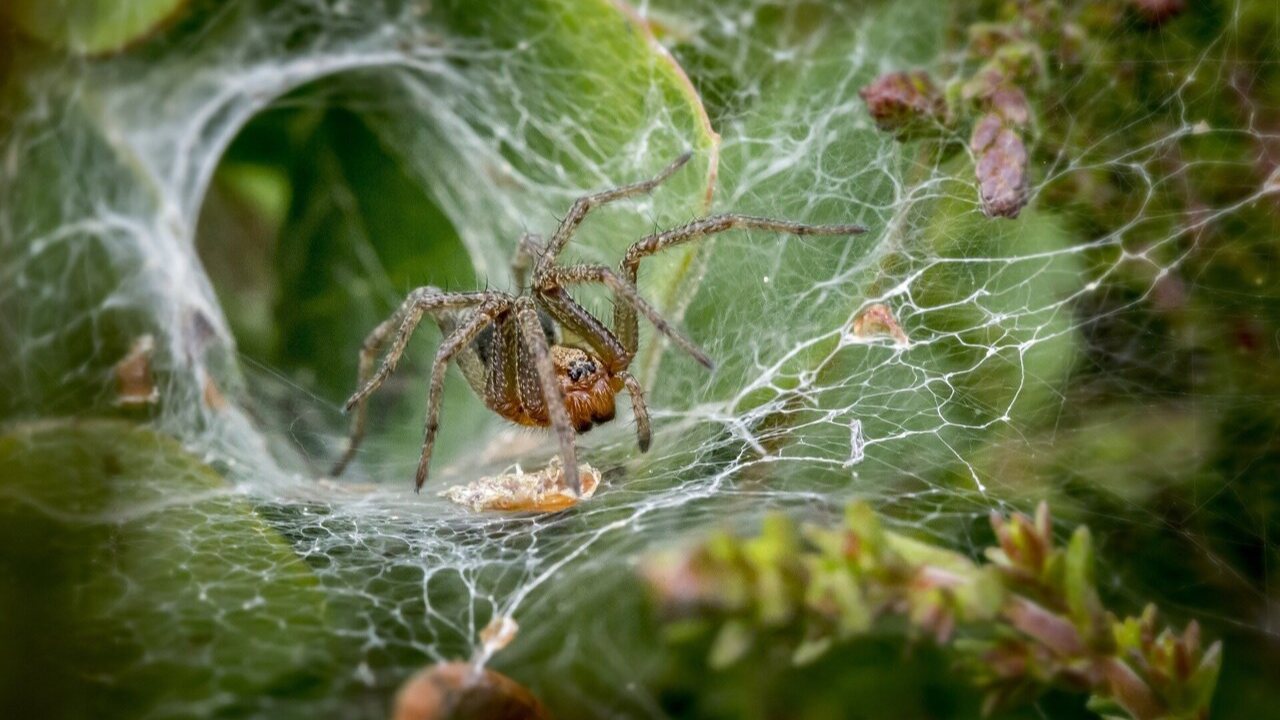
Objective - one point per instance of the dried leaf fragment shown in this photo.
(541, 491)
(1001, 168)
(135, 385)
(213, 397)
(498, 634)
(878, 320)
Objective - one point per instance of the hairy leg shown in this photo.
(624, 315)
(528, 250)
(484, 316)
(573, 317)
(419, 302)
(639, 408)
(502, 375)
(553, 399)
(585, 204)
(624, 293)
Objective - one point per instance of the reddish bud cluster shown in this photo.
(1001, 166)
(904, 102)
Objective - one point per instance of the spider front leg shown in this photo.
(639, 408)
(548, 284)
(421, 301)
(552, 396)
(586, 204)
(624, 314)
(528, 250)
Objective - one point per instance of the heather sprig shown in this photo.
(1027, 619)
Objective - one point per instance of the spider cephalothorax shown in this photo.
(588, 387)
(507, 347)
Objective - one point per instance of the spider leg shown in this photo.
(624, 315)
(553, 279)
(528, 249)
(464, 335)
(585, 204)
(419, 302)
(639, 408)
(553, 399)
(502, 368)
(575, 318)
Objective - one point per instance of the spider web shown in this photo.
(1016, 331)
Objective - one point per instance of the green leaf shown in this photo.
(1204, 680)
(1081, 595)
(137, 580)
(90, 27)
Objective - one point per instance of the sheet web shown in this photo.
(803, 413)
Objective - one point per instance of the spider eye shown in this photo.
(581, 369)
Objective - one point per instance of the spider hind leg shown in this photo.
(420, 302)
(459, 340)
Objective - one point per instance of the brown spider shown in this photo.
(506, 344)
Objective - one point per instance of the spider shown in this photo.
(507, 348)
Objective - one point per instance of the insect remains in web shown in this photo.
(507, 345)
(542, 491)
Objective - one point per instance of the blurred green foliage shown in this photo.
(92, 27)
(1028, 620)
